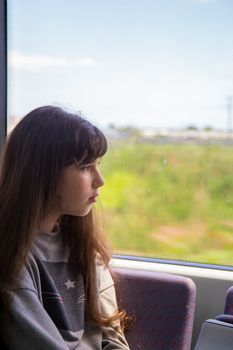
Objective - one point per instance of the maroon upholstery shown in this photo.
(163, 307)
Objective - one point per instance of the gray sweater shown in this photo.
(48, 309)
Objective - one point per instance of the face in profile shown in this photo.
(78, 188)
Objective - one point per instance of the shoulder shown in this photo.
(104, 277)
(29, 277)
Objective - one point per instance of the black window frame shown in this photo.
(3, 70)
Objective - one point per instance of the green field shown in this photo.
(170, 201)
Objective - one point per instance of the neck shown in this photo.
(50, 223)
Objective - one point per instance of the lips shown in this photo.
(93, 198)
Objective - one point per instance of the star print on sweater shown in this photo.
(59, 298)
(70, 284)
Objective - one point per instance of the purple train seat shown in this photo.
(228, 310)
(162, 306)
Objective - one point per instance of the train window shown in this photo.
(157, 77)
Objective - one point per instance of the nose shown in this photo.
(99, 180)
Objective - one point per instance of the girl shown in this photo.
(56, 290)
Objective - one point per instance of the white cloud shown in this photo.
(28, 62)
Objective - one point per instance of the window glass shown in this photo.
(157, 77)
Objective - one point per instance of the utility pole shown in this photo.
(229, 114)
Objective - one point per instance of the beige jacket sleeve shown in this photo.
(112, 337)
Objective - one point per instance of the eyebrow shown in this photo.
(96, 161)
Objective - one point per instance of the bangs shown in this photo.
(90, 145)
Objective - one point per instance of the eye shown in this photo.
(86, 167)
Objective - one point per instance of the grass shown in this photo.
(170, 201)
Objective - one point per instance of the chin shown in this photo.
(82, 215)
(79, 213)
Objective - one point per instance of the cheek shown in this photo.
(71, 188)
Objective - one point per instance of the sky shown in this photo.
(143, 63)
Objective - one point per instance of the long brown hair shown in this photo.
(39, 147)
